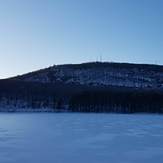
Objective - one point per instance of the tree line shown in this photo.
(118, 101)
(60, 97)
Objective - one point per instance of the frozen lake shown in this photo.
(80, 138)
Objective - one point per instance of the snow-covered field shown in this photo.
(80, 138)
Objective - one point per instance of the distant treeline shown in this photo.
(78, 98)
(129, 101)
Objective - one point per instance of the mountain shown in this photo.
(100, 74)
(86, 87)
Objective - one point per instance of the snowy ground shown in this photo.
(80, 138)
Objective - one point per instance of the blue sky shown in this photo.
(38, 33)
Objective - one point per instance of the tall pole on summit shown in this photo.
(100, 58)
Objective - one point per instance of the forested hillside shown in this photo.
(99, 73)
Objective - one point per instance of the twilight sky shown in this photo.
(38, 33)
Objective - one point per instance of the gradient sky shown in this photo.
(38, 33)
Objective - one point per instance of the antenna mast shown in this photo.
(100, 58)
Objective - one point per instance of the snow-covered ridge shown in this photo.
(97, 73)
